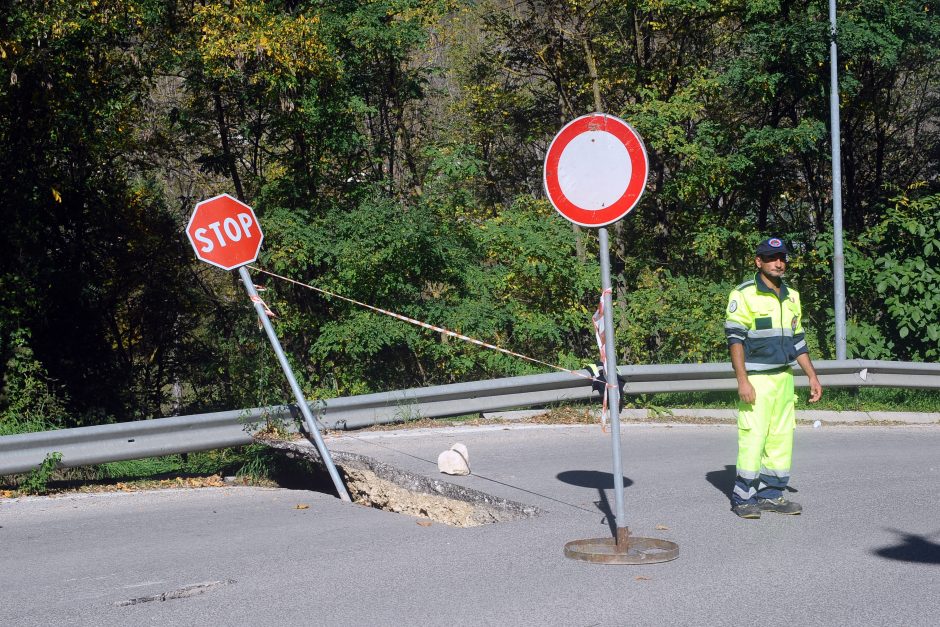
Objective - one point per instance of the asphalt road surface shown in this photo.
(866, 551)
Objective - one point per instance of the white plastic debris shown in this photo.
(455, 461)
(817, 424)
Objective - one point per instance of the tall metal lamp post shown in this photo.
(838, 257)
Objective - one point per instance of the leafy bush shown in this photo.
(28, 401)
(669, 319)
(37, 481)
(893, 269)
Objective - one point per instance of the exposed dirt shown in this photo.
(367, 488)
(93, 486)
(382, 486)
(424, 423)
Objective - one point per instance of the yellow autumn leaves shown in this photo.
(268, 44)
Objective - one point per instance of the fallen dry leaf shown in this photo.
(424, 523)
(662, 527)
(641, 578)
(301, 506)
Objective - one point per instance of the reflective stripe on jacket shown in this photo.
(770, 328)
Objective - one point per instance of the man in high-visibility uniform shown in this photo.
(764, 329)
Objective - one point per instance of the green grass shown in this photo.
(12, 427)
(834, 399)
(250, 463)
(37, 481)
(150, 467)
(240, 461)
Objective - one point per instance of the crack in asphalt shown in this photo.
(180, 593)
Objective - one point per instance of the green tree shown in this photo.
(84, 240)
(393, 152)
(897, 264)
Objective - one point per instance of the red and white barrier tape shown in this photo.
(598, 320)
(264, 305)
(432, 327)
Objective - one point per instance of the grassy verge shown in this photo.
(249, 465)
(835, 399)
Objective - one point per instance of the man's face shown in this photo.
(772, 266)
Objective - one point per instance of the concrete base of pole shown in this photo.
(624, 549)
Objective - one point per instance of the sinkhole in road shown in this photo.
(375, 484)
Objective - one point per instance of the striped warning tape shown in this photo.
(264, 305)
(431, 327)
(600, 336)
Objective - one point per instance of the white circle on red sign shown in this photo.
(596, 170)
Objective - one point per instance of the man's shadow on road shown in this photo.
(600, 481)
(723, 480)
(912, 548)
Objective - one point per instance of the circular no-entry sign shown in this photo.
(596, 170)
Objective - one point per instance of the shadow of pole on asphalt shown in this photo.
(600, 481)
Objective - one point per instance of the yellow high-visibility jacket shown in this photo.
(770, 328)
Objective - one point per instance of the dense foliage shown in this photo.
(392, 150)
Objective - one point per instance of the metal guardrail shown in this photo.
(83, 446)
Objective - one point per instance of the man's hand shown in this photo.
(815, 389)
(746, 392)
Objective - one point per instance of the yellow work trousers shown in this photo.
(765, 438)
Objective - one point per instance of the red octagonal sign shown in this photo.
(225, 232)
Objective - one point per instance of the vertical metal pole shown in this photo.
(610, 370)
(298, 394)
(838, 258)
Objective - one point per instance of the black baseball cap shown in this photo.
(771, 246)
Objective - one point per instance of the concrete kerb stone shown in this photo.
(908, 417)
(810, 415)
(518, 414)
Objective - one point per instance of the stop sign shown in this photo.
(224, 232)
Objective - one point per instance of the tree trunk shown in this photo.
(227, 155)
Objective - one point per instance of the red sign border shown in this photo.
(193, 244)
(635, 188)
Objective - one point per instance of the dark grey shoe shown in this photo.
(779, 505)
(746, 510)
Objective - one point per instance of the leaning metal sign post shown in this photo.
(224, 232)
(595, 172)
